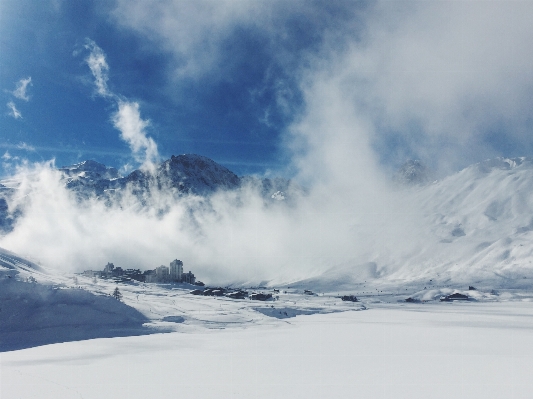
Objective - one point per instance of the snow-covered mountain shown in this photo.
(180, 175)
(481, 220)
(413, 172)
(89, 178)
(473, 227)
(195, 174)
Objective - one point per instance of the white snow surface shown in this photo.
(416, 351)
(473, 227)
(163, 342)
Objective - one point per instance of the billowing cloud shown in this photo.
(21, 90)
(431, 79)
(447, 80)
(230, 238)
(13, 111)
(442, 81)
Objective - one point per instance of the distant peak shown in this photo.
(183, 158)
(91, 166)
(88, 164)
(412, 172)
(502, 163)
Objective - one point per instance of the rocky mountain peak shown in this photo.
(90, 168)
(413, 172)
(196, 174)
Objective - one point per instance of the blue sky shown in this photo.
(259, 86)
(229, 113)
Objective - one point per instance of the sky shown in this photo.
(336, 95)
(220, 80)
(449, 83)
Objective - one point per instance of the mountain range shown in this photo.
(474, 226)
(182, 175)
(197, 175)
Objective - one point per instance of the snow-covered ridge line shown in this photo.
(10, 260)
(182, 175)
(470, 227)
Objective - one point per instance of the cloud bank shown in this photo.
(447, 82)
(451, 80)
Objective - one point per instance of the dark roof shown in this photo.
(454, 297)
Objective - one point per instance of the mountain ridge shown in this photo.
(182, 174)
(476, 224)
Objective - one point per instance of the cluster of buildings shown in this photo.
(175, 272)
(161, 274)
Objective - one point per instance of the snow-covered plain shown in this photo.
(298, 346)
(474, 350)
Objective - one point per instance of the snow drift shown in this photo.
(34, 313)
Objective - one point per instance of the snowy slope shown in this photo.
(479, 224)
(472, 228)
(38, 308)
(11, 261)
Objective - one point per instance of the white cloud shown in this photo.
(13, 111)
(192, 30)
(217, 239)
(21, 91)
(437, 75)
(127, 119)
(133, 131)
(199, 33)
(99, 68)
(24, 146)
(442, 75)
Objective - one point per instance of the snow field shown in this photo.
(474, 350)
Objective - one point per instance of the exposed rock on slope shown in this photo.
(35, 314)
(195, 174)
(89, 178)
(180, 175)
